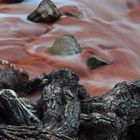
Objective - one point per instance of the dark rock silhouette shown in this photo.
(46, 12)
(65, 110)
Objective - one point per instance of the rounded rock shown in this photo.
(65, 45)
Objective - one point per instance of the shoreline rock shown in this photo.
(46, 12)
(94, 62)
(65, 111)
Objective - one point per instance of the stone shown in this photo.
(95, 62)
(65, 45)
(46, 12)
(11, 76)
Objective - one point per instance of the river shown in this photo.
(107, 28)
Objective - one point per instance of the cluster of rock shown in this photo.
(65, 111)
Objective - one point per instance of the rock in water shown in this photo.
(46, 12)
(65, 45)
(11, 76)
(95, 62)
(11, 1)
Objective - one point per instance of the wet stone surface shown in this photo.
(46, 12)
(65, 45)
(65, 110)
(11, 76)
(95, 62)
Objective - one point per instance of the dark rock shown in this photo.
(11, 1)
(111, 116)
(66, 112)
(8, 132)
(16, 111)
(95, 62)
(60, 103)
(11, 76)
(65, 45)
(46, 12)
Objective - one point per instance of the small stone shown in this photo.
(65, 45)
(11, 1)
(46, 12)
(95, 62)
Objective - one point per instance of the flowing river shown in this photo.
(107, 28)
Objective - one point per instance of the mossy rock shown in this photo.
(65, 45)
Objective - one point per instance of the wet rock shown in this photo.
(60, 102)
(46, 12)
(95, 62)
(113, 115)
(66, 112)
(11, 76)
(65, 45)
(11, 1)
(16, 111)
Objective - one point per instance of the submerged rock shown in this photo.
(95, 62)
(10, 75)
(46, 12)
(11, 1)
(65, 45)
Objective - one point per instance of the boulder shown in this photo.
(65, 45)
(46, 12)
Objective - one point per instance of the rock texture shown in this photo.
(95, 62)
(11, 76)
(65, 111)
(46, 12)
(65, 45)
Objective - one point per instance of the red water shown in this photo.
(107, 28)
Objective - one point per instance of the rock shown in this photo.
(63, 113)
(60, 103)
(11, 76)
(11, 1)
(65, 45)
(16, 111)
(135, 85)
(95, 62)
(46, 12)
